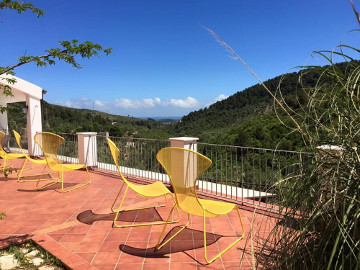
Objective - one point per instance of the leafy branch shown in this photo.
(66, 53)
(21, 7)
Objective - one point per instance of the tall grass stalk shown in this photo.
(319, 214)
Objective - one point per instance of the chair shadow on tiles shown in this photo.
(36, 177)
(182, 243)
(55, 187)
(133, 216)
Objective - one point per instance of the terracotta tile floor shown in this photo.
(76, 227)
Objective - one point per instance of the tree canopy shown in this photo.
(66, 51)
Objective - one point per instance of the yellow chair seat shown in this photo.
(39, 161)
(212, 208)
(15, 156)
(69, 167)
(152, 190)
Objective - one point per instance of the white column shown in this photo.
(87, 148)
(4, 120)
(184, 142)
(34, 123)
(188, 166)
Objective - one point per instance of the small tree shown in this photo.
(319, 212)
(65, 52)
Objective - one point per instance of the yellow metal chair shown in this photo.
(5, 156)
(184, 167)
(33, 161)
(49, 144)
(156, 189)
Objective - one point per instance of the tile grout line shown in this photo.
(218, 247)
(100, 246)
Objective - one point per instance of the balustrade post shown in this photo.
(189, 163)
(184, 142)
(87, 148)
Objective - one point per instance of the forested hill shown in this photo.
(244, 105)
(247, 118)
(60, 119)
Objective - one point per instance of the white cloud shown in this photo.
(83, 102)
(142, 107)
(135, 104)
(189, 102)
(219, 98)
(126, 103)
(149, 102)
(99, 103)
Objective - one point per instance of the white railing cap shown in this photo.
(86, 133)
(186, 139)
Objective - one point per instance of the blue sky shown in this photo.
(164, 63)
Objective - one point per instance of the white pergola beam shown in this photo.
(24, 91)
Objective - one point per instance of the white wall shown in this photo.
(34, 123)
(3, 120)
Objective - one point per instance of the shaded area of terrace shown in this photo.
(77, 228)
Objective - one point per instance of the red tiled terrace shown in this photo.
(76, 227)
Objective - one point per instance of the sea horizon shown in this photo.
(161, 117)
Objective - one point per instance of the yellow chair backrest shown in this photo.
(115, 152)
(49, 144)
(18, 140)
(184, 167)
(2, 152)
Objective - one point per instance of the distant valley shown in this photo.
(246, 118)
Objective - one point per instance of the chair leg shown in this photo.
(142, 208)
(42, 173)
(49, 184)
(78, 186)
(31, 180)
(226, 249)
(4, 167)
(5, 164)
(158, 246)
(117, 196)
(21, 171)
(119, 210)
(45, 186)
(62, 179)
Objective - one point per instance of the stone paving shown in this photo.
(76, 227)
(27, 256)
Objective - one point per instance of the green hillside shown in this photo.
(246, 118)
(60, 119)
